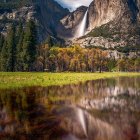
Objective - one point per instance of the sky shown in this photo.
(73, 4)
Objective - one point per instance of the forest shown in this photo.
(13, 4)
(20, 51)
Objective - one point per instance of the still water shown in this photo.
(96, 110)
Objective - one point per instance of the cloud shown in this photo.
(73, 4)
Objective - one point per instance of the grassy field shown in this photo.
(21, 79)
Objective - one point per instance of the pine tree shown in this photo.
(49, 41)
(11, 49)
(1, 41)
(19, 49)
(4, 57)
(29, 46)
(1, 46)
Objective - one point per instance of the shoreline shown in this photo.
(12, 80)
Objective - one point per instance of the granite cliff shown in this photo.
(46, 13)
(113, 24)
(110, 24)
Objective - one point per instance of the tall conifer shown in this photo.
(29, 46)
(1, 46)
(4, 57)
(19, 49)
(11, 49)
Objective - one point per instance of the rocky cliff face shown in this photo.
(46, 13)
(70, 22)
(49, 15)
(112, 23)
(122, 14)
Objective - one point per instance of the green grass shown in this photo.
(21, 79)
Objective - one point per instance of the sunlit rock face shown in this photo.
(103, 11)
(122, 13)
(122, 16)
(112, 24)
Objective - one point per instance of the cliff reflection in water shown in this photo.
(96, 110)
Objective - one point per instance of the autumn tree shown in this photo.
(111, 64)
(121, 64)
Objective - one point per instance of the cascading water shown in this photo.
(82, 26)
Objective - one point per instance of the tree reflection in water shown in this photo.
(96, 110)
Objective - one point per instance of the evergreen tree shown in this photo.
(19, 42)
(1, 46)
(11, 49)
(4, 57)
(1, 41)
(19, 32)
(29, 46)
(49, 41)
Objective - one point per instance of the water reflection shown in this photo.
(96, 110)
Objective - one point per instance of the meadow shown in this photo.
(25, 79)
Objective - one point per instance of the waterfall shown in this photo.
(82, 26)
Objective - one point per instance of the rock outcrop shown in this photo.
(70, 23)
(123, 13)
(112, 23)
(46, 13)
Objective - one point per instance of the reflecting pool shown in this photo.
(107, 109)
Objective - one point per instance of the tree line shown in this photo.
(19, 51)
(79, 59)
